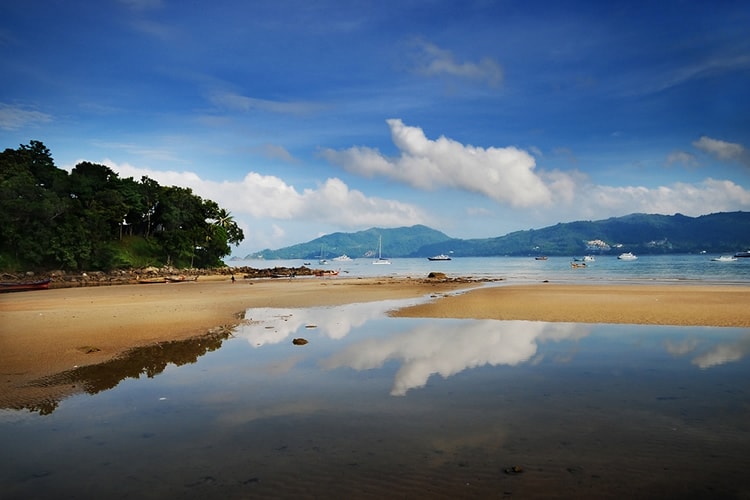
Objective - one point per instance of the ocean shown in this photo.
(605, 269)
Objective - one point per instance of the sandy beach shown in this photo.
(47, 332)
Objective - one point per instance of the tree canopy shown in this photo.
(92, 219)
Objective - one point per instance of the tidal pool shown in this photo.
(380, 407)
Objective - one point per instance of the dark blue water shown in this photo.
(381, 407)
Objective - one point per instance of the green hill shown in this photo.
(641, 233)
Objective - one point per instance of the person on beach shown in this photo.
(233, 279)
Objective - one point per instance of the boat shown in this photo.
(725, 258)
(321, 259)
(24, 286)
(588, 258)
(442, 256)
(577, 264)
(627, 256)
(342, 258)
(150, 281)
(181, 278)
(380, 259)
(744, 254)
(541, 257)
(326, 272)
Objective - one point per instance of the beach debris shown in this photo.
(299, 341)
(516, 469)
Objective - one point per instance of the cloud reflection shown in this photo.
(450, 347)
(271, 325)
(716, 355)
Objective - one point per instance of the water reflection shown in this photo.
(44, 395)
(587, 411)
(450, 347)
(447, 347)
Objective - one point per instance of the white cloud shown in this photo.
(509, 177)
(431, 60)
(14, 117)
(723, 150)
(269, 197)
(505, 175)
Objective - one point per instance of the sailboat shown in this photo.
(380, 259)
(322, 260)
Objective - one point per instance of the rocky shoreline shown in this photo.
(68, 279)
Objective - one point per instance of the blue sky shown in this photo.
(476, 118)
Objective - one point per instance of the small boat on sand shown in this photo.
(24, 286)
(181, 278)
(150, 281)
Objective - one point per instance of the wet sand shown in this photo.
(47, 332)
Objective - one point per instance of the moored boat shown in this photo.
(743, 254)
(181, 278)
(442, 256)
(23, 286)
(150, 281)
(627, 256)
(724, 258)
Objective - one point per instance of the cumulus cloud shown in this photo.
(506, 175)
(268, 196)
(14, 117)
(509, 176)
(723, 150)
(431, 60)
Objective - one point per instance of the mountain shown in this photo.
(640, 233)
(398, 242)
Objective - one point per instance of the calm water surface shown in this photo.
(606, 268)
(381, 407)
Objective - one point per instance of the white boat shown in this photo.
(380, 259)
(626, 256)
(588, 258)
(725, 258)
(322, 260)
(342, 258)
(442, 256)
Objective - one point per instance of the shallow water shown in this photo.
(376, 407)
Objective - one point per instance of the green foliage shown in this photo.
(93, 219)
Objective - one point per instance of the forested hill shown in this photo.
(92, 219)
(641, 233)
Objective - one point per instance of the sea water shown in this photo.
(605, 268)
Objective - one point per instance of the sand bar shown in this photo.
(687, 305)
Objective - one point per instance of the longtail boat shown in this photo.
(23, 286)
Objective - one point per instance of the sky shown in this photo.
(476, 117)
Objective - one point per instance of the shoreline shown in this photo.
(44, 333)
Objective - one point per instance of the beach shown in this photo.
(47, 332)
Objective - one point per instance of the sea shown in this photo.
(374, 406)
(680, 268)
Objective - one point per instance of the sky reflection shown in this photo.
(422, 348)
